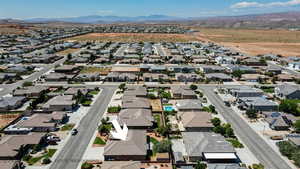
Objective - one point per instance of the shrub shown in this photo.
(46, 161)
(216, 121)
(290, 106)
(26, 84)
(162, 147)
(193, 87)
(200, 165)
(114, 109)
(252, 114)
(87, 166)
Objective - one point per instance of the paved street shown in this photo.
(70, 156)
(8, 88)
(267, 156)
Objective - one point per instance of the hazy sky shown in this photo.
(21, 9)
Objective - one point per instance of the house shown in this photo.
(257, 103)
(253, 77)
(30, 92)
(11, 164)
(132, 102)
(287, 91)
(286, 77)
(279, 120)
(88, 77)
(273, 69)
(244, 91)
(189, 105)
(121, 77)
(158, 68)
(10, 103)
(14, 147)
(183, 92)
(242, 68)
(294, 139)
(294, 65)
(136, 118)
(57, 77)
(60, 103)
(218, 77)
(134, 148)
(253, 61)
(208, 146)
(212, 69)
(7, 76)
(42, 122)
(196, 121)
(187, 77)
(149, 77)
(139, 91)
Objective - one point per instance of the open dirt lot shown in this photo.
(5, 119)
(134, 37)
(254, 42)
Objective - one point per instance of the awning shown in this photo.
(219, 156)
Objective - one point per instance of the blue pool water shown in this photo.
(168, 108)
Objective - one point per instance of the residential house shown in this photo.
(16, 146)
(183, 92)
(11, 103)
(149, 77)
(196, 121)
(244, 91)
(31, 91)
(187, 77)
(218, 77)
(253, 77)
(60, 103)
(189, 105)
(67, 69)
(212, 69)
(132, 102)
(134, 148)
(208, 146)
(279, 120)
(294, 65)
(287, 91)
(257, 103)
(136, 118)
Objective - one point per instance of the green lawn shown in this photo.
(268, 89)
(235, 143)
(49, 154)
(99, 141)
(67, 127)
(87, 103)
(94, 92)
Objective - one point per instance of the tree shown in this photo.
(229, 132)
(290, 106)
(296, 158)
(87, 166)
(26, 84)
(200, 165)
(46, 160)
(122, 86)
(219, 129)
(163, 146)
(216, 121)
(193, 87)
(297, 126)
(212, 108)
(237, 73)
(251, 113)
(286, 148)
(69, 56)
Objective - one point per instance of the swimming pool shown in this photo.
(168, 108)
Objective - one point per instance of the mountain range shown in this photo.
(268, 21)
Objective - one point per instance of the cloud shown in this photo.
(265, 5)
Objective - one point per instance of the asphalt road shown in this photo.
(264, 153)
(71, 154)
(8, 88)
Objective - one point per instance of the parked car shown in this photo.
(74, 132)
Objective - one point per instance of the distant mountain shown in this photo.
(93, 19)
(285, 20)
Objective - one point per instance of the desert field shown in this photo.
(5, 119)
(134, 37)
(254, 42)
